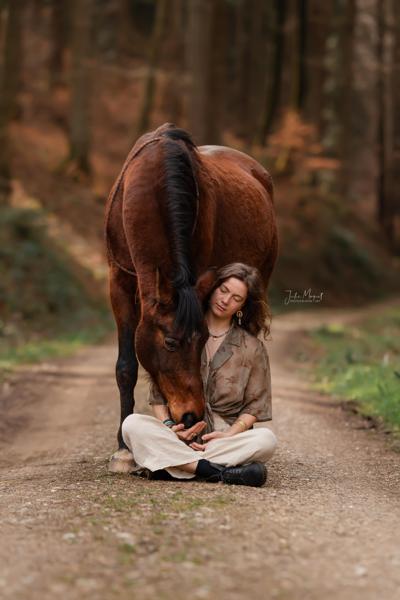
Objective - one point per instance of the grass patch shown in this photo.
(362, 364)
(120, 503)
(178, 557)
(42, 349)
(49, 305)
(127, 549)
(161, 505)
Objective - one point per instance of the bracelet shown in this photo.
(242, 423)
(169, 423)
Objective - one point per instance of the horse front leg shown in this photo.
(123, 289)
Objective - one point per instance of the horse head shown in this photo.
(169, 341)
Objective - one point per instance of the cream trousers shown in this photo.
(154, 446)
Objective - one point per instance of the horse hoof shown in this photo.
(121, 462)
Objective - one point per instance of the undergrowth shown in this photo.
(48, 305)
(363, 364)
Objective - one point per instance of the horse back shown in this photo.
(240, 192)
(237, 161)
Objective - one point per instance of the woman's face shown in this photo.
(228, 298)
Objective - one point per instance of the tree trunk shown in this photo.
(272, 100)
(9, 85)
(217, 68)
(389, 130)
(290, 79)
(338, 81)
(361, 164)
(198, 56)
(79, 125)
(174, 48)
(319, 15)
(126, 36)
(252, 67)
(269, 53)
(302, 42)
(59, 33)
(395, 163)
(154, 57)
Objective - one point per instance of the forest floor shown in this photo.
(326, 525)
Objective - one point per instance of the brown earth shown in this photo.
(326, 525)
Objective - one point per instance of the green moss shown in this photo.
(362, 364)
(48, 306)
(40, 350)
(127, 548)
(120, 503)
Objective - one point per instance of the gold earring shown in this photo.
(239, 315)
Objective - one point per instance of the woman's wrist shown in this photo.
(239, 426)
(242, 423)
(236, 427)
(169, 422)
(161, 412)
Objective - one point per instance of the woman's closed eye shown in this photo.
(236, 298)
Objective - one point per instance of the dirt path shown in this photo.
(326, 525)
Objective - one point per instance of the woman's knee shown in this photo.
(266, 441)
(132, 426)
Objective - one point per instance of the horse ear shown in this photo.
(205, 283)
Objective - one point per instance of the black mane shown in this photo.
(182, 198)
(175, 133)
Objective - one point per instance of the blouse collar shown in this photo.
(225, 351)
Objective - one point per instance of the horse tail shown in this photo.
(182, 196)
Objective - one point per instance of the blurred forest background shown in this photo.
(310, 88)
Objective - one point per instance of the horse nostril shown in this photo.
(189, 419)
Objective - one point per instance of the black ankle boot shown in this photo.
(254, 474)
(209, 471)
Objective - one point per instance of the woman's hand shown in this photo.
(187, 435)
(208, 437)
(197, 446)
(214, 435)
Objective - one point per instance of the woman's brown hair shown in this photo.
(256, 312)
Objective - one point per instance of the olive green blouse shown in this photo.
(238, 380)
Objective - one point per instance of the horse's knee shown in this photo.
(126, 373)
(266, 441)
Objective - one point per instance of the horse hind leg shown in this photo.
(123, 289)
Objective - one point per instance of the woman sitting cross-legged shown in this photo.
(237, 383)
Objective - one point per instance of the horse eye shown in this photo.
(171, 344)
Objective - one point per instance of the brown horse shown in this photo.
(174, 211)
